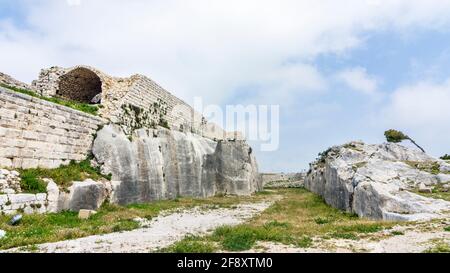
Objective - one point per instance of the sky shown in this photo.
(339, 70)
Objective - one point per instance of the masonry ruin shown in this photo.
(80, 85)
(152, 144)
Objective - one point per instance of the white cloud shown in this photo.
(420, 105)
(358, 80)
(421, 110)
(211, 48)
(201, 47)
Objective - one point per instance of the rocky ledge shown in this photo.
(380, 181)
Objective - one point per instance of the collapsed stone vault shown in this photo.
(80, 84)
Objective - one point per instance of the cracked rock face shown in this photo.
(162, 164)
(379, 181)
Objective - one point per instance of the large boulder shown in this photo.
(158, 164)
(88, 194)
(379, 181)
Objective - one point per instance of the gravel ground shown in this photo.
(160, 232)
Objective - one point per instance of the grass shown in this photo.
(32, 179)
(447, 228)
(439, 247)
(37, 229)
(436, 193)
(293, 220)
(191, 244)
(83, 107)
(429, 167)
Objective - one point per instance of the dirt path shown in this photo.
(408, 239)
(160, 232)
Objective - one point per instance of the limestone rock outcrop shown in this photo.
(379, 181)
(161, 164)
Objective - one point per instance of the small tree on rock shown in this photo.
(395, 136)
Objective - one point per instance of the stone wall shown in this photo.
(9, 81)
(134, 102)
(27, 203)
(158, 106)
(283, 180)
(36, 133)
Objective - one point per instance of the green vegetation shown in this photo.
(445, 157)
(37, 229)
(293, 220)
(437, 193)
(439, 247)
(32, 179)
(191, 245)
(430, 166)
(83, 107)
(395, 136)
(447, 228)
(359, 165)
(397, 233)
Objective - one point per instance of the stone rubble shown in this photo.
(9, 182)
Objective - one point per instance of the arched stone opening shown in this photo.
(80, 85)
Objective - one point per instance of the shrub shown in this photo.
(76, 171)
(395, 136)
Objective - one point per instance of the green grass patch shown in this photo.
(37, 229)
(190, 244)
(397, 233)
(32, 179)
(436, 193)
(447, 228)
(440, 247)
(83, 107)
(239, 239)
(294, 220)
(345, 235)
(428, 166)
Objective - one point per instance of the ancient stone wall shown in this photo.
(37, 133)
(159, 107)
(134, 102)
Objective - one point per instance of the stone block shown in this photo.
(5, 162)
(22, 198)
(41, 197)
(85, 214)
(30, 163)
(3, 199)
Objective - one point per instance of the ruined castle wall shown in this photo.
(37, 133)
(134, 102)
(160, 106)
(11, 82)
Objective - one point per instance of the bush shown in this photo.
(445, 157)
(31, 183)
(395, 136)
(239, 240)
(63, 176)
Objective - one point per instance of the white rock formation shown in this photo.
(9, 182)
(379, 181)
(164, 164)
